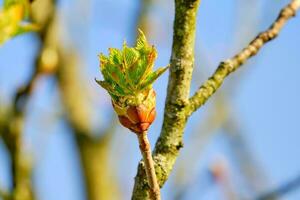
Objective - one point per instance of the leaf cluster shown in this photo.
(129, 71)
(12, 19)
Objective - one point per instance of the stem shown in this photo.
(149, 165)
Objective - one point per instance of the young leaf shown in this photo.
(141, 41)
(130, 56)
(111, 88)
(128, 71)
(115, 56)
(152, 77)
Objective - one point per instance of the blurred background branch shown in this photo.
(93, 149)
(13, 128)
(281, 190)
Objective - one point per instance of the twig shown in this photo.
(281, 190)
(143, 22)
(149, 165)
(227, 67)
(249, 167)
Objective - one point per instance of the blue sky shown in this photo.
(263, 95)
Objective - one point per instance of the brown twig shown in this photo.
(149, 165)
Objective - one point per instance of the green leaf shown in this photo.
(103, 84)
(130, 56)
(152, 77)
(139, 70)
(103, 60)
(129, 71)
(24, 3)
(149, 60)
(113, 76)
(112, 88)
(141, 41)
(26, 28)
(11, 17)
(115, 56)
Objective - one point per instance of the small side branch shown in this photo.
(281, 190)
(227, 67)
(149, 165)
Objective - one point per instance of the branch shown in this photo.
(4, 195)
(227, 67)
(178, 106)
(99, 179)
(98, 174)
(282, 190)
(182, 59)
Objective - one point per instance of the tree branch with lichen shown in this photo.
(178, 105)
(227, 67)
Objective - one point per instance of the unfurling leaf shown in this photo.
(152, 77)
